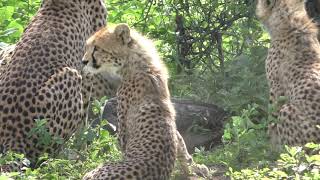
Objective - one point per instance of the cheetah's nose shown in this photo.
(84, 62)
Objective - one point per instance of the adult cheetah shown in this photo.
(146, 118)
(41, 81)
(293, 71)
(94, 86)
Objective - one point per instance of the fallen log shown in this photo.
(200, 124)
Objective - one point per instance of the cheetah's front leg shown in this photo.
(186, 162)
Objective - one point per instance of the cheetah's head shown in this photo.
(272, 13)
(107, 50)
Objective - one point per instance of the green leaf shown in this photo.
(6, 13)
(18, 27)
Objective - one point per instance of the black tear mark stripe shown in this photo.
(274, 4)
(94, 61)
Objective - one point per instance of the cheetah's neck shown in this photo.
(142, 62)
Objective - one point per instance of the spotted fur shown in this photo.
(293, 71)
(146, 118)
(42, 79)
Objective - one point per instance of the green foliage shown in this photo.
(245, 143)
(244, 83)
(241, 126)
(294, 163)
(14, 16)
(247, 153)
(12, 157)
(97, 104)
(40, 130)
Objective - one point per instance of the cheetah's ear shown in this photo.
(122, 32)
(264, 8)
(265, 4)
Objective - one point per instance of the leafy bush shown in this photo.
(294, 163)
(245, 143)
(14, 15)
(247, 153)
(244, 83)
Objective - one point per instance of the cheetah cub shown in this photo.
(293, 71)
(146, 117)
